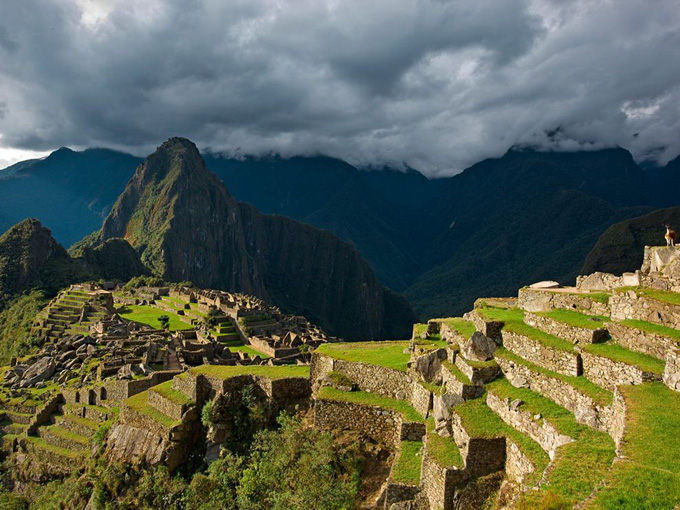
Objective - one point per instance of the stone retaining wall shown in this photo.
(481, 456)
(396, 492)
(630, 305)
(44, 413)
(640, 341)
(573, 334)
(671, 375)
(617, 424)
(539, 300)
(585, 410)
(381, 425)
(518, 465)
(438, 484)
(451, 335)
(563, 362)
(540, 430)
(457, 387)
(609, 374)
(490, 329)
(421, 399)
(166, 406)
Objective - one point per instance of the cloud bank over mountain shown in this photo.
(435, 84)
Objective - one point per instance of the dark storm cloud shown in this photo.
(436, 84)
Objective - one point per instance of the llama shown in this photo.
(670, 236)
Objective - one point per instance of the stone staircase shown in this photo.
(63, 315)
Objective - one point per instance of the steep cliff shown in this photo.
(186, 226)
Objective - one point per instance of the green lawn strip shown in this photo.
(578, 466)
(480, 421)
(175, 300)
(576, 319)
(652, 436)
(442, 449)
(598, 394)
(272, 372)
(69, 435)
(419, 329)
(248, 349)
(480, 364)
(656, 329)
(465, 328)
(149, 315)
(90, 424)
(456, 372)
(40, 443)
(431, 387)
(387, 354)
(616, 352)
(372, 399)
(407, 466)
(630, 485)
(165, 390)
(514, 322)
(140, 404)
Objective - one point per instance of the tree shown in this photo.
(165, 321)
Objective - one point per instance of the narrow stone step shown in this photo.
(17, 417)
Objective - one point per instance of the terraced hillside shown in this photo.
(561, 398)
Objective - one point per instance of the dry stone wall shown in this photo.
(641, 341)
(573, 334)
(609, 374)
(537, 300)
(671, 375)
(381, 425)
(457, 387)
(518, 465)
(538, 429)
(481, 456)
(630, 305)
(438, 484)
(563, 362)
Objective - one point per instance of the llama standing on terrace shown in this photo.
(670, 236)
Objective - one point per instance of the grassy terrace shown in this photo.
(456, 372)
(165, 390)
(91, 424)
(40, 443)
(480, 421)
(274, 372)
(665, 296)
(149, 315)
(514, 323)
(442, 449)
(248, 349)
(649, 478)
(578, 466)
(598, 394)
(68, 435)
(140, 404)
(616, 352)
(371, 399)
(385, 354)
(655, 329)
(407, 466)
(574, 318)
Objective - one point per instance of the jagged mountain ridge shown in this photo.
(186, 226)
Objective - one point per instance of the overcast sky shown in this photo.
(435, 84)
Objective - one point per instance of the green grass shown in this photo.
(599, 395)
(574, 318)
(68, 435)
(465, 328)
(140, 404)
(91, 424)
(40, 443)
(149, 315)
(442, 449)
(479, 364)
(616, 352)
(407, 466)
(578, 466)
(655, 329)
(273, 372)
(248, 349)
(371, 399)
(664, 296)
(514, 323)
(456, 372)
(385, 354)
(177, 397)
(480, 421)
(650, 476)
(419, 329)
(431, 387)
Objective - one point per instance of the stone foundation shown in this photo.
(631, 305)
(573, 334)
(641, 341)
(609, 374)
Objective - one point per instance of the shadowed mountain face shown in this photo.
(622, 245)
(187, 226)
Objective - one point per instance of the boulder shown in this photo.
(599, 281)
(546, 284)
(478, 347)
(131, 370)
(39, 371)
(428, 365)
(441, 412)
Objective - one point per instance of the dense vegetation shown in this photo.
(15, 325)
(291, 467)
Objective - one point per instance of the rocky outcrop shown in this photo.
(187, 226)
